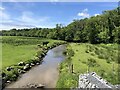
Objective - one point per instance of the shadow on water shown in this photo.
(47, 73)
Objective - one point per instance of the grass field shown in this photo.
(29, 50)
(14, 54)
(16, 49)
(101, 58)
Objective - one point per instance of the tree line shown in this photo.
(104, 28)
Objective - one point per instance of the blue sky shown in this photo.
(48, 14)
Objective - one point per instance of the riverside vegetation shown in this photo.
(99, 58)
(21, 53)
(94, 46)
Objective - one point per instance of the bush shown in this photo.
(91, 62)
(65, 52)
(93, 54)
(84, 62)
(97, 52)
(108, 61)
(101, 56)
(87, 51)
(67, 80)
(70, 52)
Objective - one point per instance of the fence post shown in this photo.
(72, 68)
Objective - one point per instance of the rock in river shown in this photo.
(34, 86)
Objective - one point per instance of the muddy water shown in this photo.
(47, 73)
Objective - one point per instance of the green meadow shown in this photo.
(14, 54)
(99, 58)
(16, 49)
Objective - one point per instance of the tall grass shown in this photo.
(90, 58)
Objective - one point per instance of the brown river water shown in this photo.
(46, 73)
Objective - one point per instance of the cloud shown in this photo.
(18, 25)
(30, 18)
(96, 14)
(26, 20)
(10, 26)
(1, 8)
(84, 13)
(85, 10)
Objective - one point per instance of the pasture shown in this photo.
(16, 49)
(99, 58)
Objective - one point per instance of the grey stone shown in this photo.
(37, 63)
(34, 86)
(40, 86)
(21, 63)
(26, 67)
(8, 81)
(9, 68)
(32, 64)
(92, 80)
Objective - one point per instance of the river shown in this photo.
(46, 73)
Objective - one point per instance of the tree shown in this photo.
(100, 29)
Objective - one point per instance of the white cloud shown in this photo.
(85, 10)
(1, 8)
(84, 13)
(26, 20)
(96, 14)
(10, 26)
(30, 18)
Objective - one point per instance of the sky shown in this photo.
(48, 14)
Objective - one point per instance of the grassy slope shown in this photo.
(81, 56)
(13, 54)
(79, 61)
(16, 49)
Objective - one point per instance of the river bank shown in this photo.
(11, 73)
(83, 58)
(46, 73)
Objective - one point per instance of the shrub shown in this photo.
(87, 51)
(108, 61)
(91, 62)
(65, 52)
(97, 52)
(93, 54)
(70, 52)
(102, 72)
(101, 56)
(67, 80)
(84, 62)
